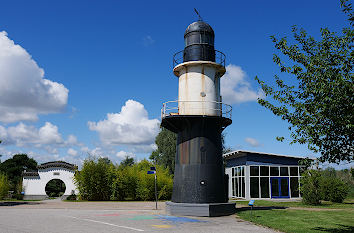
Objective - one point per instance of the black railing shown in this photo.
(220, 58)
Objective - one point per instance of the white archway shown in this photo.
(34, 182)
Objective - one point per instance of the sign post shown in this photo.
(251, 204)
(153, 171)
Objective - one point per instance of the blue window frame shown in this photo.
(279, 187)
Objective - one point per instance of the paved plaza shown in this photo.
(93, 217)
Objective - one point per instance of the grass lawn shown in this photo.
(328, 217)
(347, 204)
(16, 200)
(288, 220)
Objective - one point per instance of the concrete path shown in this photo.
(93, 217)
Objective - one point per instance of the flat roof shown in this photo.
(239, 153)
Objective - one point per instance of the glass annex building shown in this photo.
(255, 175)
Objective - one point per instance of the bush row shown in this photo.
(100, 180)
(317, 185)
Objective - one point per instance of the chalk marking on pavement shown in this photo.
(162, 226)
(106, 223)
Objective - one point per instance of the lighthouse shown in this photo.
(198, 118)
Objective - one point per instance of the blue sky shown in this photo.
(115, 57)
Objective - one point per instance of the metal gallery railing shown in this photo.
(220, 58)
(206, 108)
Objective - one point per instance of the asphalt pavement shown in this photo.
(94, 217)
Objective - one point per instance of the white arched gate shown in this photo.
(34, 182)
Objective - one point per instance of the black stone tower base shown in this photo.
(200, 209)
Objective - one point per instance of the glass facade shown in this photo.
(266, 181)
(274, 181)
(238, 181)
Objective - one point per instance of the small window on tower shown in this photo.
(56, 173)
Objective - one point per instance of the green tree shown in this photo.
(165, 153)
(225, 149)
(14, 167)
(4, 185)
(333, 188)
(128, 161)
(311, 190)
(319, 102)
(133, 182)
(125, 183)
(95, 179)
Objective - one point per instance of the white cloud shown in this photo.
(41, 157)
(24, 92)
(85, 149)
(252, 142)
(143, 148)
(97, 152)
(147, 40)
(72, 152)
(72, 140)
(23, 135)
(131, 126)
(123, 154)
(52, 150)
(235, 88)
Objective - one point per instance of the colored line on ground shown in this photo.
(176, 219)
(162, 226)
(106, 223)
(142, 217)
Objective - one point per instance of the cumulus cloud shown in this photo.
(72, 152)
(24, 92)
(235, 88)
(40, 157)
(72, 140)
(252, 142)
(124, 154)
(131, 126)
(23, 135)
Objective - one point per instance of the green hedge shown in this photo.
(100, 180)
(317, 185)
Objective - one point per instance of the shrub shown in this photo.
(18, 196)
(100, 180)
(145, 189)
(334, 189)
(133, 183)
(4, 186)
(95, 179)
(72, 197)
(323, 185)
(311, 187)
(125, 183)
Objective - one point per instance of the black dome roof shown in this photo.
(199, 26)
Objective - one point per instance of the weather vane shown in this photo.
(200, 18)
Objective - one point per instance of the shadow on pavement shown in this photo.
(16, 203)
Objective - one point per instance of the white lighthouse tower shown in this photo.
(198, 117)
